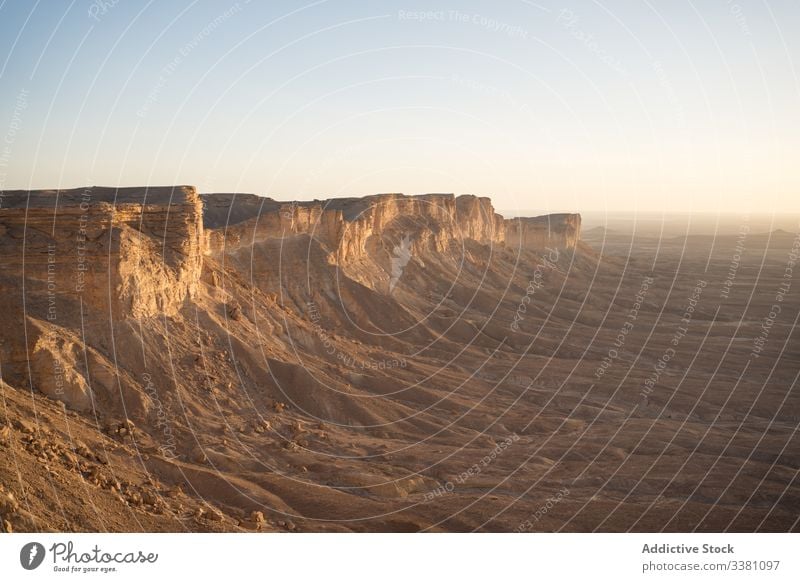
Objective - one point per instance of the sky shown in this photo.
(575, 105)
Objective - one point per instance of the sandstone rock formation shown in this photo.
(108, 256)
(73, 259)
(172, 362)
(344, 225)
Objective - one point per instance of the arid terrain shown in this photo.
(173, 361)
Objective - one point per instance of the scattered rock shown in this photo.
(199, 456)
(8, 503)
(148, 498)
(176, 491)
(250, 525)
(23, 427)
(83, 450)
(257, 516)
(213, 514)
(234, 311)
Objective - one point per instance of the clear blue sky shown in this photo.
(569, 105)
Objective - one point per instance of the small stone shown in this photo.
(8, 504)
(175, 492)
(257, 516)
(213, 514)
(83, 450)
(234, 312)
(148, 498)
(23, 426)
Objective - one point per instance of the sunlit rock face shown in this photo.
(345, 225)
(86, 261)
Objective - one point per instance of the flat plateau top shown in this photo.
(162, 195)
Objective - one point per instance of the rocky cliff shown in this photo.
(134, 251)
(433, 221)
(101, 260)
(82, 261)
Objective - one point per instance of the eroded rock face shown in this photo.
(345, 225)
(82, 262)
(97, 262)
(55, 359)
(136, 252)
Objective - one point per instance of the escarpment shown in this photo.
(434, 221)
(83, 269)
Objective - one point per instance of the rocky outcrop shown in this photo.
(101, 260)
(435, 221)
(562, 231)
(476, 220)
(344, 225)
(79, 263)
(134, 251)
